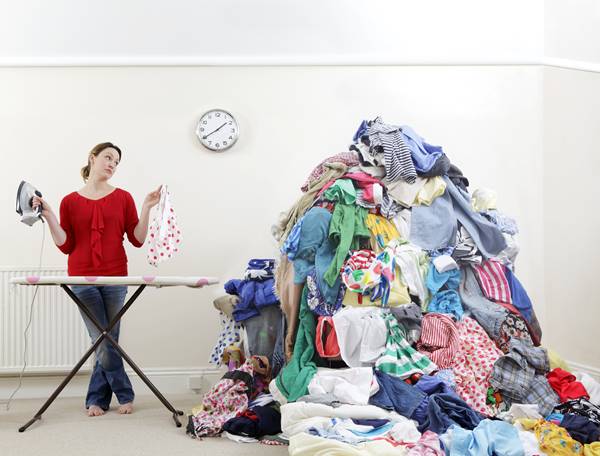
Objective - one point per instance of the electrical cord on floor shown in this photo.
(29, 320)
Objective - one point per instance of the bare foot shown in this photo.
(126, 409)
(94, 410)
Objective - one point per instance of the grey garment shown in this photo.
(409, 318)
(520, 376)
(487, 313)
(262, 331)
(434, 227)
(327, 399)
(440, 167)
(487, 235)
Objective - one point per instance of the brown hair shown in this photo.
(85, 171)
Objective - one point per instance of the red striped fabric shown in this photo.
(439, 339)
(493, 281)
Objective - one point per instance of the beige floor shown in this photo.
(65, 430)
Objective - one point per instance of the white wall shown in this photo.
(572, 31)
(571, 218)
(571, 195)
(487, 118)
(240, 31)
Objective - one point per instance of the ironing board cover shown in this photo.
(151, 281)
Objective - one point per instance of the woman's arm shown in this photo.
(141, 229)
(58, 234)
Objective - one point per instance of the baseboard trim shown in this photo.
(591, 370)
(173, 380)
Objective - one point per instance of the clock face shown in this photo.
(217, 130)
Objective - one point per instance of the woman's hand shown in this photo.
(152, 198)
(46, 209)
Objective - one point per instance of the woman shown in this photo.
(93, 222)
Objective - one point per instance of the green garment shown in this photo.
(347, 225)
(306, 201)
(294, 378)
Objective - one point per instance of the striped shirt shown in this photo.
(439, 339)
(492, 279)
(399, 358)
(398, 161)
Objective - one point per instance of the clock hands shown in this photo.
(214, 131)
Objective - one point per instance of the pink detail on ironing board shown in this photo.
(32, 279)
(91, 278)
(149, 279)
(201, 282)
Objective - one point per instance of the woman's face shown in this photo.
(105, 164)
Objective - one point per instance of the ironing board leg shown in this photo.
(38, 415)
(146, 380)
(104, 334)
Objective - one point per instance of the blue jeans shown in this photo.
(108, 376)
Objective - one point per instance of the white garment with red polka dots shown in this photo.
(473, 364)
(164, 234)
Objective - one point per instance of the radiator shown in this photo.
(57, 337)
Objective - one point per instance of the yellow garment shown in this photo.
(483, 199)
(382, 232)
(398, 295)
(555, 440)
(434, 187)
(557, 361)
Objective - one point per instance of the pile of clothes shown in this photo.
(404, 328)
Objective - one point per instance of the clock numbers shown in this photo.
(217, 130)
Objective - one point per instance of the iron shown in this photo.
(25, 194)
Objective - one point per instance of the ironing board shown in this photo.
(141, 282)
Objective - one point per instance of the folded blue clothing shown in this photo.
(395, 394)
(253, 295)
(444, 410)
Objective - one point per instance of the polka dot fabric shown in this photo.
(230, 335)
(474, 363)
(164, 234)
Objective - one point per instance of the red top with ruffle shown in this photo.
(95, 233)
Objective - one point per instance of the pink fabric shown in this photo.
(493, 281)
(474, 363)
(224, 401)
(428, 445)
(348, 158)
(439, 339)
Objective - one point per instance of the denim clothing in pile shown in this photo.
(395, 394)
(108, 376)
(445, 410)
